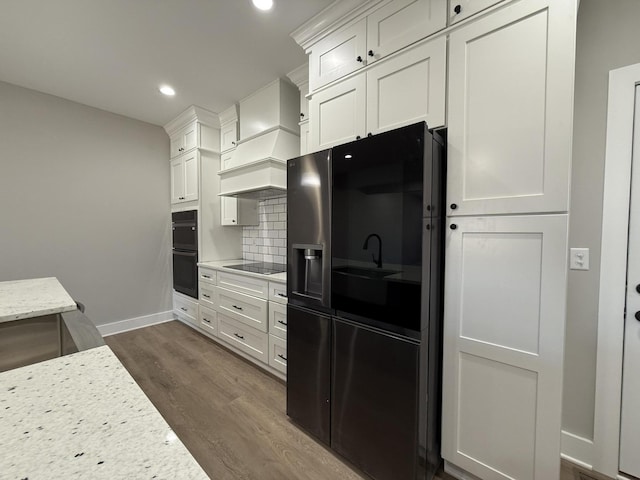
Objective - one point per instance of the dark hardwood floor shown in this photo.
(229, 414)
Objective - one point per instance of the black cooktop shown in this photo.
(260, 267)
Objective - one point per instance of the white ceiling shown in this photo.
(113, 54)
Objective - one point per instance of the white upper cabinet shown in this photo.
(461, 9)
(401, 23)
(390, 28)
(228, 136)
(185, 140)
(408, 88)
(404, 89)
(337, 114)
(510, 111)
(184, 178)
(338, 55)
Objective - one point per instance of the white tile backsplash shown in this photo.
(267, 242)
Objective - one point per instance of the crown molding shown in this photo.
(191, 115)
(330, 19)
(300, 75)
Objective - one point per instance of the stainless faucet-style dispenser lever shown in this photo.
(378, 262)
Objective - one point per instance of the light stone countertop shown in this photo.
(20, 299)
(220, 265)
(82, 416)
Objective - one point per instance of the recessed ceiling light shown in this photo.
(167, 90)
(263, 4)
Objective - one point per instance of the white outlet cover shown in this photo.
(579, 259)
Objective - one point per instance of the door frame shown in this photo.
(613, 268)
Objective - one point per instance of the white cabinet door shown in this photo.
(461, 9)
(190, 162)
(408, 88)
(228, 211)
(505, 295)
(185, 140)
(510, 110)
(228, 136)
(401, 23)
(304, 138)
(337, 114)
(337, 55)
(177, 180)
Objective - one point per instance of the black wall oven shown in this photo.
(185, 252)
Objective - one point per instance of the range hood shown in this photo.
(258, 168)
(269, 136)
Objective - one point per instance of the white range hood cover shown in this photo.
(258, 166)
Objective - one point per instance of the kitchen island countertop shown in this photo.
(36, 297)
(83, 416)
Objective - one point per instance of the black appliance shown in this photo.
(365, 270)
(185, 252)
(263, 268)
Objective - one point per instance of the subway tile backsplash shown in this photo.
(267, 242)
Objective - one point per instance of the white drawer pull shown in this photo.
(239, 336)
(282, 357)
(237, 307)
(283, 323)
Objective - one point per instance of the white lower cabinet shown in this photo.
(185, 308)
(246, 339)
(278, 353)
(251, 311)
(504, 323)
(208, 320)
(278, 320)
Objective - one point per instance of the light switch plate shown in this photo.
(579, 259)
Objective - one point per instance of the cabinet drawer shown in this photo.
(247, 339)
(240, 283)
(278, 353)
(185, 309)
(208, 276)
(207, 294)
(278, 320)
(249, 310)
(278, 292)
(208, 320)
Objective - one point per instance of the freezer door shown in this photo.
(308, 371)
(374, 406)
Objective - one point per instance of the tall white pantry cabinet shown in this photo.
(499, 76)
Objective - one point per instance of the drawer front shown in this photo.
(243, 284)
(249, 310)
(278, 353)
(249, 340)
(278, 320)
(208, 320)
(207, 294)
(278, 292)
(208, 276)
(185, 309)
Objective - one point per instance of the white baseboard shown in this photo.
(135, 323)
(577, 450)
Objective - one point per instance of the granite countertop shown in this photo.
(220, 265)
(22, 299)
(83, 416)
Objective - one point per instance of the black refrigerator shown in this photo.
(365, 268)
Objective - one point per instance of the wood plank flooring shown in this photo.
(228, 413)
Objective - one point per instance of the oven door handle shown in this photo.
(184, 253)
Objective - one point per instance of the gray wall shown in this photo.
(608, 38)
(84, 197)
